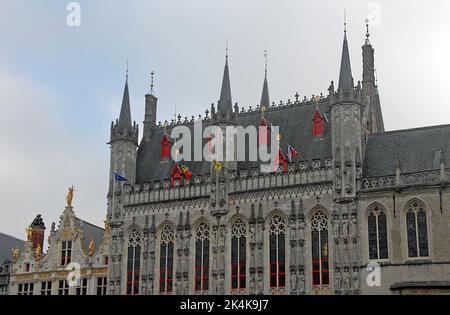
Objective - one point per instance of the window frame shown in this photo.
(410, 208)
(202, 259)
(166, 260)
(377, 209)
(46, 287)
(320, 224)
(277, 238)
(238, 256)
(66, 252)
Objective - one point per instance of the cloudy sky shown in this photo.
(61, 86)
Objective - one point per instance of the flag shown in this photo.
(280, 160)
(187, 173)
(119, 178)
(217, 165)
(291, 152)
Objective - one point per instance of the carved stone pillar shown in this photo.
(301, 225)
(252, 244)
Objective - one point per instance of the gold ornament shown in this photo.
(38, 252)
(69, 197)
(91, 248)
(15, 253)
(29, 232)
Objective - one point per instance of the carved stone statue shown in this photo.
(260, 283)
(69, 197)
(293, 282)
(222, 284)
(252, 284)
(354, 227)
(355, 278)
(346, 279)
(345, 225)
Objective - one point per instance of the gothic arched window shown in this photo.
(133, 262)
(416, 226)
(238, 255)
(277, 253)
(202, 258)
(166, 259)
(377, 231)
(319, 238)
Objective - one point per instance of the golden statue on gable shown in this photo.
(15, 253)
(91, 248)
(38, 252)
(29, 232)
(69, 197)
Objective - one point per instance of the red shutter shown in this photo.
(165, 147)
(318, 124)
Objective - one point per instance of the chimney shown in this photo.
(37, 232)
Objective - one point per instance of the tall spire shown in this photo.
(265, 100)
(225, 102)
(345, 76)
(125, 112)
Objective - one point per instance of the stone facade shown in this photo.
(350, 200)
(34, 272)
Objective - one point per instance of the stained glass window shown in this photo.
(202, 258)
(166, 260)
(133, 262)
(417, 232)
(319, 238)
(277, 252)
(238, 255)
(377, 232)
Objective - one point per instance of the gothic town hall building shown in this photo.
(354, 196)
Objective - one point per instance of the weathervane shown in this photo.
(367, 33)
(265, 57)
(345, 21)
(152, 74)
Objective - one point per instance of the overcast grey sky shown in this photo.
(61, 86)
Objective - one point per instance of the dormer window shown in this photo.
(318, 124)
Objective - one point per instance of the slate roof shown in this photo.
(296, 125)
(416, 149)
(7, 243)
(91, 231)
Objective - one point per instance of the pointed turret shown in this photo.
(265, 100)
(370, 97)
(124, 129)
(225, 107)
(125, 111)
(345, 76)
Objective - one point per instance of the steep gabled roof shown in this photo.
(7, 243)
(296, 126)
(415, 149)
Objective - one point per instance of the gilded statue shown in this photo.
(29, 232)
(69, 197)
(15, 253)
(91, 248)
(38, 252)
(107, 227)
